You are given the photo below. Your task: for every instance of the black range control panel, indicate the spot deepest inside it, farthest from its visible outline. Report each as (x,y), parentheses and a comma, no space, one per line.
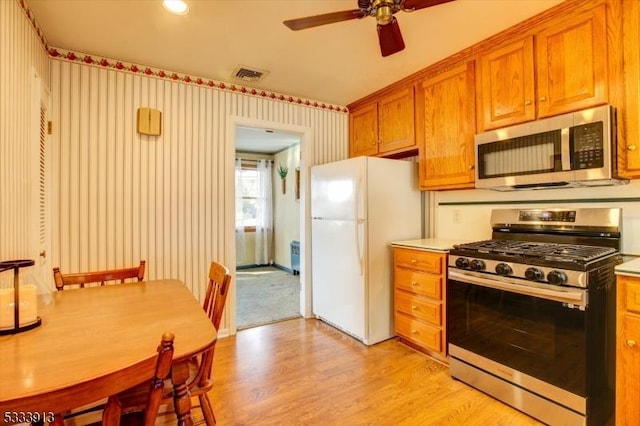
(547,216)
(587,146)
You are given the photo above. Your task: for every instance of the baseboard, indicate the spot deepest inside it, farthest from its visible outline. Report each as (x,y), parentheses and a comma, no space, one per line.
(275,265)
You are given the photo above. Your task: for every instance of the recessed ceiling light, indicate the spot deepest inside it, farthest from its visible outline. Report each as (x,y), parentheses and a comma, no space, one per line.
(179,7)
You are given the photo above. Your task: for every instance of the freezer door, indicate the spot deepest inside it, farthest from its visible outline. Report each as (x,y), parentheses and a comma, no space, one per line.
(338,190)
(338,281)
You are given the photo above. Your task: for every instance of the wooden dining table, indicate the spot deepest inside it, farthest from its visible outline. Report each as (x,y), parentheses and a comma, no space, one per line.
(89,342)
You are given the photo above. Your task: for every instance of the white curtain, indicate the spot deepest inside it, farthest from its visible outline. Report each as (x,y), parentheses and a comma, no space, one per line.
(264,214)
(241,249)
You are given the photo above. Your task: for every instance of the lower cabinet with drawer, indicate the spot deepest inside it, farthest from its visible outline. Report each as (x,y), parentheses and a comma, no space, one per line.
(419,300)
(628,351)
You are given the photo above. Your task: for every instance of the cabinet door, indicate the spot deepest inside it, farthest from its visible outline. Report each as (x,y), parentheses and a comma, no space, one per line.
(571,64)
(363,131)
(395,121)
(445,130)
(506,87)
(629,152)
(628,371)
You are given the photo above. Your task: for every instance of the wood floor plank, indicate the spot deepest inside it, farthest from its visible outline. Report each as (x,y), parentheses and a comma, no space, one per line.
(304,372)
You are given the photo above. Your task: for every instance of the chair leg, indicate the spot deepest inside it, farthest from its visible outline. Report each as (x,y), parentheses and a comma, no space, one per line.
(207,409)
(112,412)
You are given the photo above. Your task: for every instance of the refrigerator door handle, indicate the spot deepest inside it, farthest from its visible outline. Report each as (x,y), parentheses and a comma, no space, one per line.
(357,221)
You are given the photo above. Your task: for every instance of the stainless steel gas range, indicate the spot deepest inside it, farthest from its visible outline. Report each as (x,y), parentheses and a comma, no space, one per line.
(531,312)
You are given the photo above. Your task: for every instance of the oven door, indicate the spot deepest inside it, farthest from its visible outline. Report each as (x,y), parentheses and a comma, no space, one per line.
(537,333)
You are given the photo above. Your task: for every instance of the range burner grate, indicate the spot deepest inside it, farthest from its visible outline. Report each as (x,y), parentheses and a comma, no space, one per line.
(546,251)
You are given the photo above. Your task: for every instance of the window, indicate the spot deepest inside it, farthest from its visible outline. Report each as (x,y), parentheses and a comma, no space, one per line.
(246,208)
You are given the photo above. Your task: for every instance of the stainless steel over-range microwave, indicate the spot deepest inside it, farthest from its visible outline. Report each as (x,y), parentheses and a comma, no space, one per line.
(570,150)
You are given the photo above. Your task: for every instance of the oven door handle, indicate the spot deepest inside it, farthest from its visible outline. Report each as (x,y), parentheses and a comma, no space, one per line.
(570,296)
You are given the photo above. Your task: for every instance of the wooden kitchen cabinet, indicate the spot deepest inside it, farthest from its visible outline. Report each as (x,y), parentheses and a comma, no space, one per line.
(445,127)
(383,126)
(629,144)
(569,66)
(363,131)
(628,351)
(506,92)
(571,63)
(419,300)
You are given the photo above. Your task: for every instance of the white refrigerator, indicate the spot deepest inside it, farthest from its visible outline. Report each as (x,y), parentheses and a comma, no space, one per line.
(359,206)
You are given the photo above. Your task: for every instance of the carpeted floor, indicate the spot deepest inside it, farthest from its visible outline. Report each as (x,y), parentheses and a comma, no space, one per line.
(265,295)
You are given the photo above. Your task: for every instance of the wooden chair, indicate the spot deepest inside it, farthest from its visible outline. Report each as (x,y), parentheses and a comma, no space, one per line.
(112,414)
(82,278)
(200,366)
(200,381)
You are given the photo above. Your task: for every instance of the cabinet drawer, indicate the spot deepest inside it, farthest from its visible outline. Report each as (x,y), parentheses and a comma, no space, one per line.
(419,332)
(418,307)
(418,282)
(633,296)
(420,260)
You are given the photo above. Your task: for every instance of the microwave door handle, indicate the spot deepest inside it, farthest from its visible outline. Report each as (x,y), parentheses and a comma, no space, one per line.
(565,147)
(576,297)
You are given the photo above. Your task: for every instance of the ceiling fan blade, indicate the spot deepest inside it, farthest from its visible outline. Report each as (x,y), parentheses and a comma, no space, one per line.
(327,18)
(390,38)
(410,5)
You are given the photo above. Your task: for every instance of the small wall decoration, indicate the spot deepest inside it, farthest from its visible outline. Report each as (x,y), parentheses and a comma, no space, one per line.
(149,121)
(282,171)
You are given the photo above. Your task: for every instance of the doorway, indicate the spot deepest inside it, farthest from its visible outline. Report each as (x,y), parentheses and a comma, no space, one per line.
(267,225)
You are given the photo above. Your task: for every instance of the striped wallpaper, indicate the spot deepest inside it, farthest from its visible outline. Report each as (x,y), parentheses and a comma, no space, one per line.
(22,56)
(122,197)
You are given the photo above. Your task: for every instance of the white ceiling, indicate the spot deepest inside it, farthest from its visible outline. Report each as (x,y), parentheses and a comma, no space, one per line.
(336,63)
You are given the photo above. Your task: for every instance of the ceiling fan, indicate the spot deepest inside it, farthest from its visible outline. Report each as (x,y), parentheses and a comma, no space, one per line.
(383,10)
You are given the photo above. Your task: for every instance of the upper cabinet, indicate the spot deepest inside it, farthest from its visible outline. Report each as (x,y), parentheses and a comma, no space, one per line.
(571,61)
(506,85)
(445,121)
(383,126)
(569,66)
(363,130)
(629,149)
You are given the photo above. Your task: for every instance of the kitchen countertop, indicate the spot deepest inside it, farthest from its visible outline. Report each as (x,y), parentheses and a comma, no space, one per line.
(631,267)
(436,244)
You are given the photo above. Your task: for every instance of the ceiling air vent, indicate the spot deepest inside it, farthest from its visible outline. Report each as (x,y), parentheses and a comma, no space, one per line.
(247,74)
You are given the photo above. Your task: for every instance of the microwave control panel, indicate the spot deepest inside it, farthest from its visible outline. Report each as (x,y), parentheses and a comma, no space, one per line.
(587,146)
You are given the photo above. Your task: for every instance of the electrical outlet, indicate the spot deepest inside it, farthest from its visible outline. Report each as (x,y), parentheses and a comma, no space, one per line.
(456,216)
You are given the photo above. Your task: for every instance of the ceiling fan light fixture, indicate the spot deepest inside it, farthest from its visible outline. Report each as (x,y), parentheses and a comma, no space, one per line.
(382,10)
(384,15)
(177,7)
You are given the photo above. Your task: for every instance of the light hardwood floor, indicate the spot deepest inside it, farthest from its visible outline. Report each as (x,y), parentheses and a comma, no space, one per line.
(304,372)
